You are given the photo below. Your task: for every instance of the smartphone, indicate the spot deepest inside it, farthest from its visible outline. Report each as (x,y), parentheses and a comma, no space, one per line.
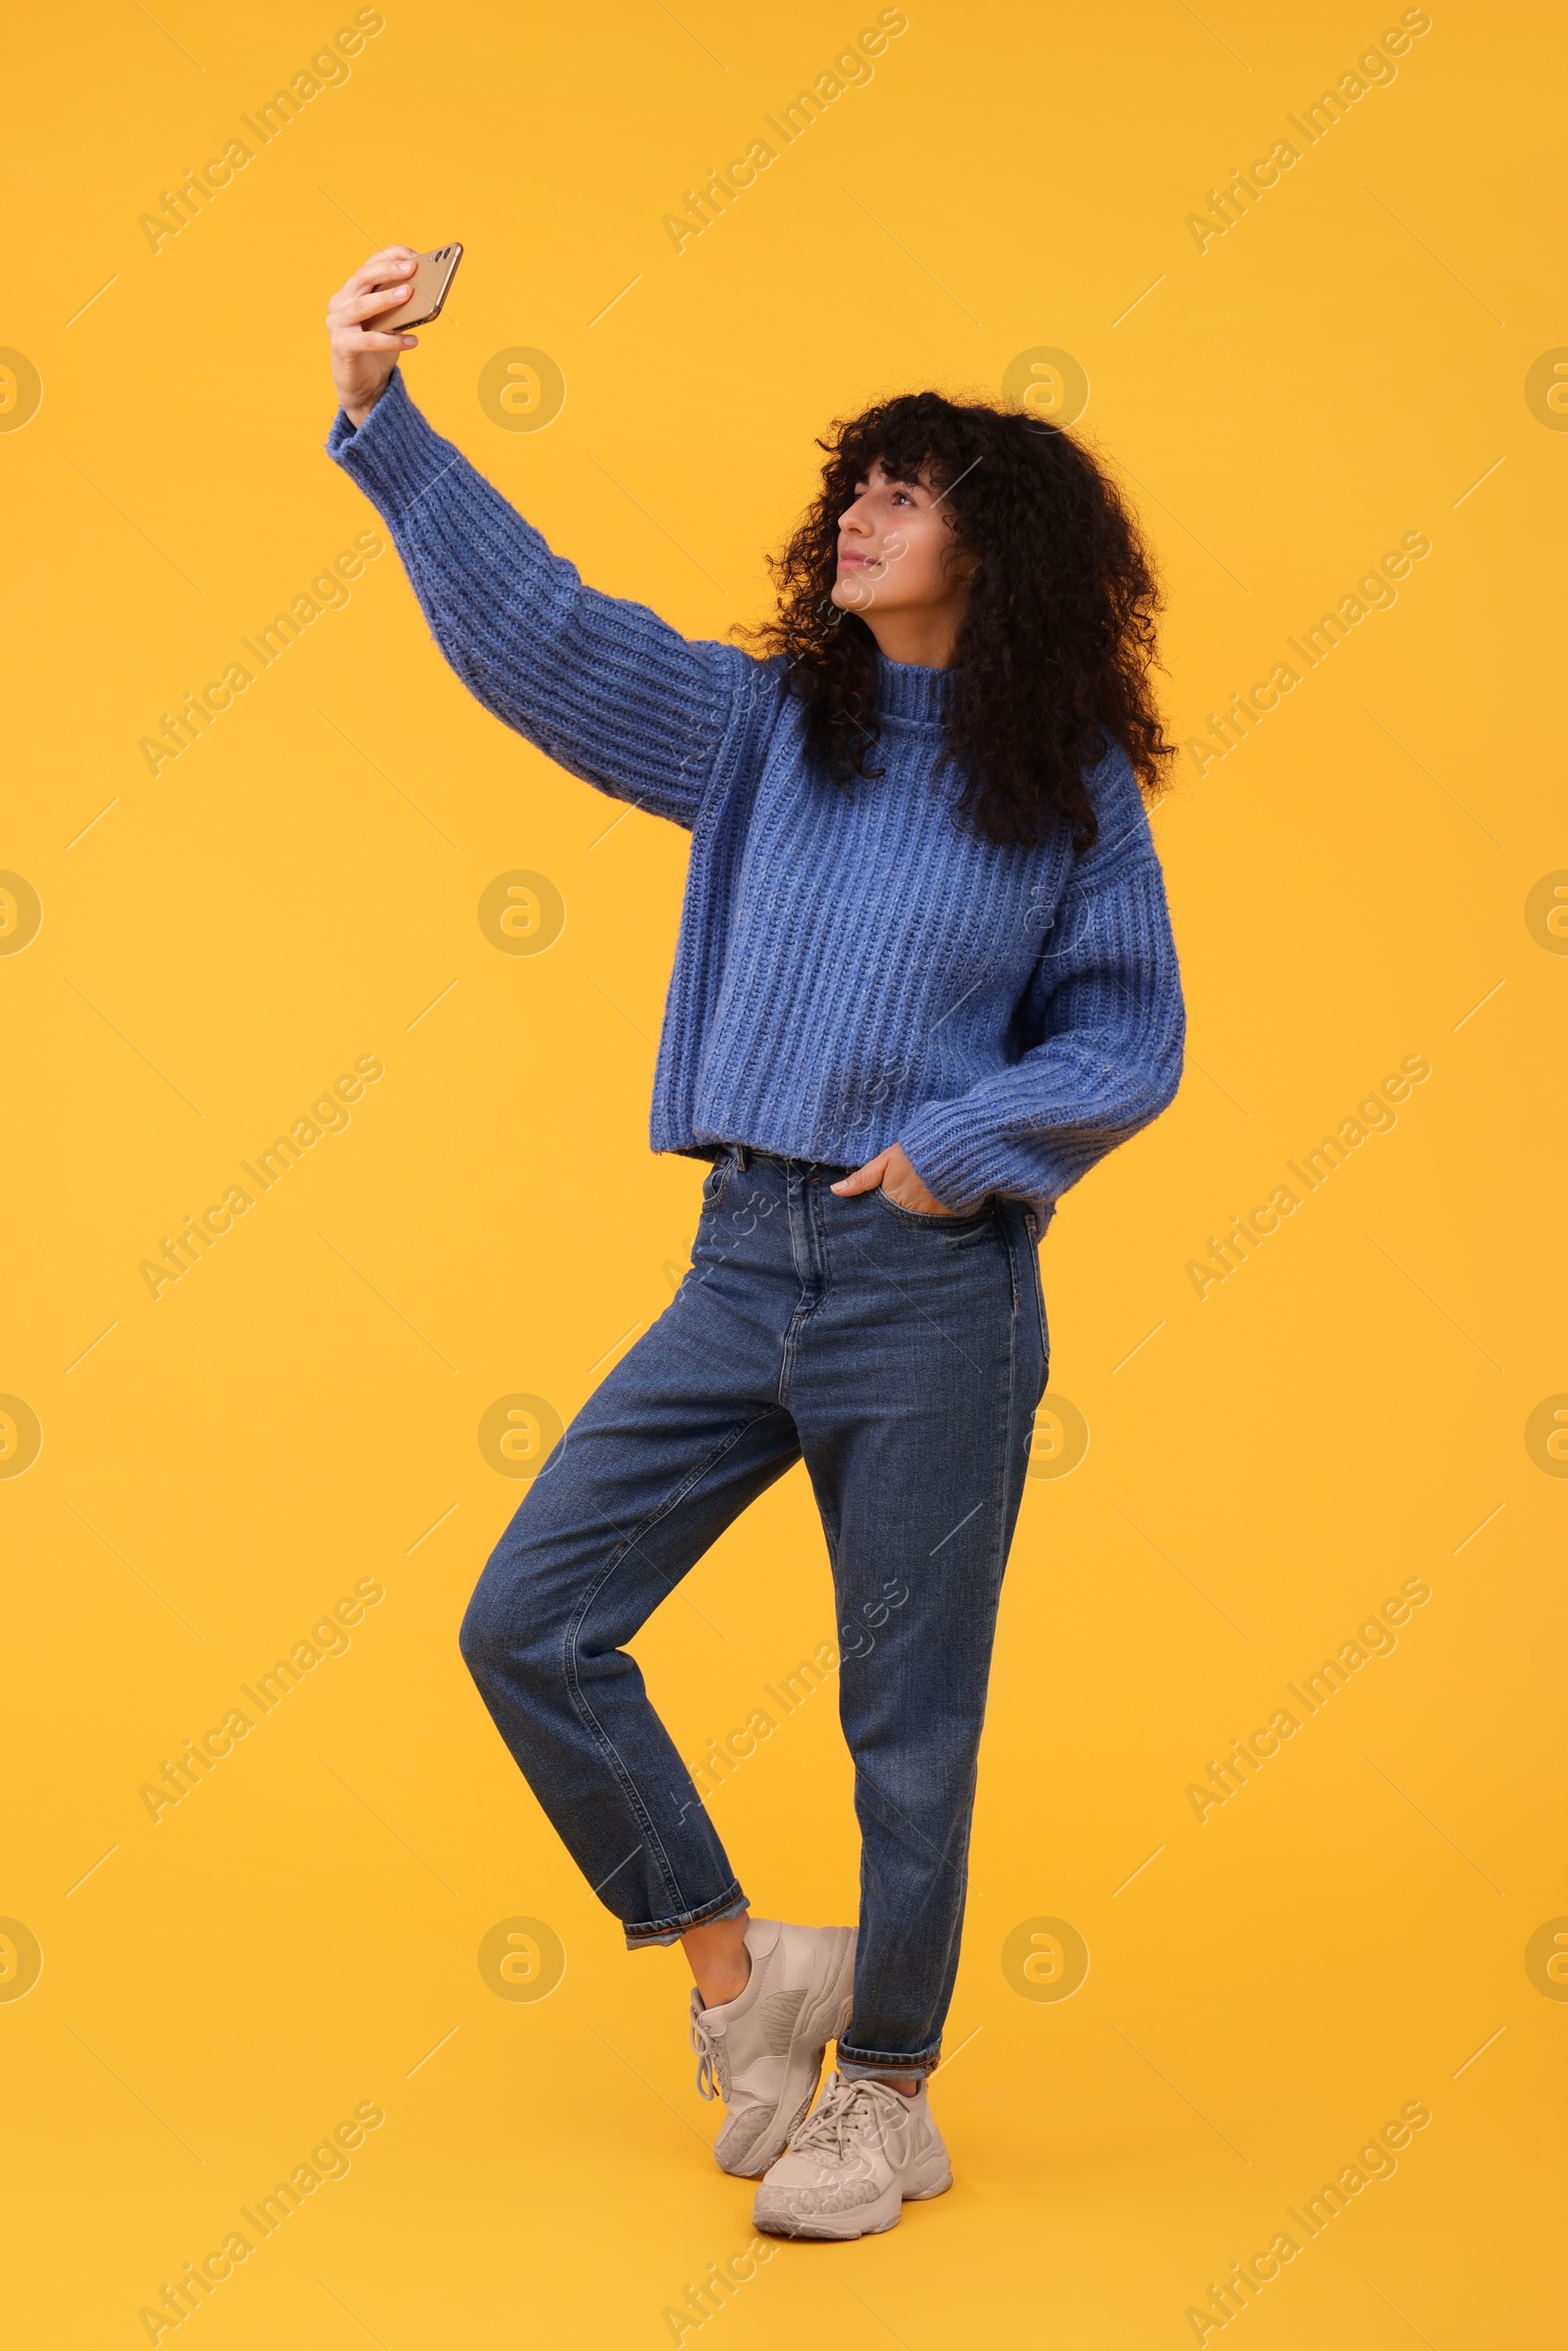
(431,280)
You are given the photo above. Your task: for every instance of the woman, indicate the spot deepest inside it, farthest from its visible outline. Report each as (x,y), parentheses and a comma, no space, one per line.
(925,979)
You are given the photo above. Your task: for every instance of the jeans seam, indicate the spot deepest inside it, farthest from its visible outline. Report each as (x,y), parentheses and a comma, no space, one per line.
(890,2056)
(1005,1452)
(804,1312)
(655,1931)
(891,2059)
(581,1705)
(1032,1245)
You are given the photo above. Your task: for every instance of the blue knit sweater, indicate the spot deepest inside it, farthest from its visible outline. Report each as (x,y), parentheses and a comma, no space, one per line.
(853,968)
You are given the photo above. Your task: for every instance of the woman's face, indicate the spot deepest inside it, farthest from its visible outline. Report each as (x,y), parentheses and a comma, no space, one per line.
(896,550)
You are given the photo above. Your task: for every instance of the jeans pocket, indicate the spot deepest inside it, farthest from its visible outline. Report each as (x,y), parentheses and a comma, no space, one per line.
(926,1222)
(716,1181)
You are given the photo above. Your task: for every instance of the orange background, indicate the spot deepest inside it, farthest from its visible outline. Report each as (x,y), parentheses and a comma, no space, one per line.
(1368,876)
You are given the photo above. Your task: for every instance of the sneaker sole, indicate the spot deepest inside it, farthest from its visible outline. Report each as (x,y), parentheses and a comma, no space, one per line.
(872,2220)
(819,2022)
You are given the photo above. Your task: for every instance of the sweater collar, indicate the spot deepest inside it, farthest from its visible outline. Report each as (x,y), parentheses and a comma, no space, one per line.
(907,691)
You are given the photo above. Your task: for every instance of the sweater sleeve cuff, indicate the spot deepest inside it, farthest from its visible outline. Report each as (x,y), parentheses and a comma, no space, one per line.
(949,1157)
(394,455)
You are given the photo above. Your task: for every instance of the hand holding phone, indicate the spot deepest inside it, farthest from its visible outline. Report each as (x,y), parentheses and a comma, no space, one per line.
(432,276)
(367,319)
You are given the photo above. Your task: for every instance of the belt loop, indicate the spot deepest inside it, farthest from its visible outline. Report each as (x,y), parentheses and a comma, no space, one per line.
(742,1158)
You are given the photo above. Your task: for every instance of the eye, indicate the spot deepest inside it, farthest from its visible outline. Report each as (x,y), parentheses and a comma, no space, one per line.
(904,495)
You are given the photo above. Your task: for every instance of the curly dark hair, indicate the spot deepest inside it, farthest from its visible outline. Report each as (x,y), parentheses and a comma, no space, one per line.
(1053,655)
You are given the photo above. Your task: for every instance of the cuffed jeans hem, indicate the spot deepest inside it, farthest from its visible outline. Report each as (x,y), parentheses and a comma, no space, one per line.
(858,2065)
(729,1906)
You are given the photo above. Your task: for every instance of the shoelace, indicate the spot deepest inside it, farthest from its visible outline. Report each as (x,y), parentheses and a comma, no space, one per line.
(850,2110)
(712,2071)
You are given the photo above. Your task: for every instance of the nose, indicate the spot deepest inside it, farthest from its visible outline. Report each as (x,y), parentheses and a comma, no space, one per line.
(854,521)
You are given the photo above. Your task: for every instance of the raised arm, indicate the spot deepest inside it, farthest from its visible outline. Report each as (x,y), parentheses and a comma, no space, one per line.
(600,684)
(1105,1007)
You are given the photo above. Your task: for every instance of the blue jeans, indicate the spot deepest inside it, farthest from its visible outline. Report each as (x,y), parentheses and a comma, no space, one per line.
(903,1356)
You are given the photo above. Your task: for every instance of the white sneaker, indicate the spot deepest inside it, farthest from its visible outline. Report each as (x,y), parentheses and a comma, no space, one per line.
(762,2051)
(850,2168)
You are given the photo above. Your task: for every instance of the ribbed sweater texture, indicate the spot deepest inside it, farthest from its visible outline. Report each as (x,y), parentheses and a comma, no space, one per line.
(855,968)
